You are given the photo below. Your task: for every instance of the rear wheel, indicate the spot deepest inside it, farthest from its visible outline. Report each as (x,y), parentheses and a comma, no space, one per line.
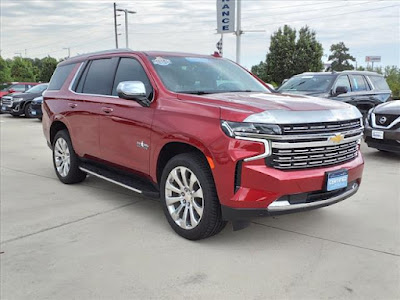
(65,160)
(189,197)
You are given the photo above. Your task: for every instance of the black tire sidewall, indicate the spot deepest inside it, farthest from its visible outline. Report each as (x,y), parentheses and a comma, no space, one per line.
(75,174)
(211,202)
(28,110)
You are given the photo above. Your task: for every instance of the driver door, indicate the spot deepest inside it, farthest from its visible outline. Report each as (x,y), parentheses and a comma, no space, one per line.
(125,125)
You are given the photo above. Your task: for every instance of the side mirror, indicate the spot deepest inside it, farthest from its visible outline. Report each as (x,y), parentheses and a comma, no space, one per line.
(133,90)
(341,90)
(11,91)
(284,80)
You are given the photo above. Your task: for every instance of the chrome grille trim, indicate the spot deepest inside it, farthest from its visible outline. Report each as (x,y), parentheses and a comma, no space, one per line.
(326,143)
(321,128)
(6,101)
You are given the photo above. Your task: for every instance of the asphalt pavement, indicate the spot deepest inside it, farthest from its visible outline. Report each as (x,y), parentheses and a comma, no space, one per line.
(95,240)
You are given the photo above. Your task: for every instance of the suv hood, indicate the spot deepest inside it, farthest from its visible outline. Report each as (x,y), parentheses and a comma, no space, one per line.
(26,96)
(388,108)
(278,108)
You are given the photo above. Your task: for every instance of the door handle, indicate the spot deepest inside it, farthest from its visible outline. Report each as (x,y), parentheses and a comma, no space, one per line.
(72,105)
(107,110)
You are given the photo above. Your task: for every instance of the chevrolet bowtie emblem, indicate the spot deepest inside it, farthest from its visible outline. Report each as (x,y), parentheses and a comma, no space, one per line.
(337,138)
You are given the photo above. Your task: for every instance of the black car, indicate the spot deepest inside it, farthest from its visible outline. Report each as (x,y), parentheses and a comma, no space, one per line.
(36,107)
(21,103)
(360,88)
(382,127)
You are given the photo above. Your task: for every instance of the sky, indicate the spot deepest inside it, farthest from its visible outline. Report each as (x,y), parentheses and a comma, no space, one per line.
(39,28)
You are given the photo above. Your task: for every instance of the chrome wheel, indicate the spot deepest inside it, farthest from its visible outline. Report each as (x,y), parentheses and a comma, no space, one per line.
(62,157)
(184,197)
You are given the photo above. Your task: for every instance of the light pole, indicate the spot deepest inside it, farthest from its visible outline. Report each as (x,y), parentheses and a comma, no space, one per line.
(126,23)
(69,51)
(239,31)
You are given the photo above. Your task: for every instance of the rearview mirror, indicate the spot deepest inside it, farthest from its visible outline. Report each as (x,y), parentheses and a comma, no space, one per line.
(133,90)
(341,90)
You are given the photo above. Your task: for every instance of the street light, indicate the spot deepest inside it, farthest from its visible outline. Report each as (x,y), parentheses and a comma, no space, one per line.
(69,51)
(126,23)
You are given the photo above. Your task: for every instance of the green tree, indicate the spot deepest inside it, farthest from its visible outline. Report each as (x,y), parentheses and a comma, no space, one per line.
(22,70)
(288,56)
(308,52)
(392,74)
(48,65)
(5,72)
(340,57)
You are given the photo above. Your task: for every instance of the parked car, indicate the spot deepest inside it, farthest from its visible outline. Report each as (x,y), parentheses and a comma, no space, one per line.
(382,127)
(17,87)
(359,88)
(21,103)
(36,107)
(202,134)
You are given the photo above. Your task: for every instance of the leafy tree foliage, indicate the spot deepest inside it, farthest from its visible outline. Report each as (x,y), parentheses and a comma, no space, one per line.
(289,55)
(27,69)
(340,57)
(22,70)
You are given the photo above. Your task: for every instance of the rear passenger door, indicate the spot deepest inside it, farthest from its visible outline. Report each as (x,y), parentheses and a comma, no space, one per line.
(92,91)
(125,125)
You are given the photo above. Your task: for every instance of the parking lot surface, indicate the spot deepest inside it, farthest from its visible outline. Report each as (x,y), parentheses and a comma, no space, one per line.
(95,240)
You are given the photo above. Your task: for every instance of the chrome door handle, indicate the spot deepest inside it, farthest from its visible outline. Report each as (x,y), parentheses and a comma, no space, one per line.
(72,105)
(107,110)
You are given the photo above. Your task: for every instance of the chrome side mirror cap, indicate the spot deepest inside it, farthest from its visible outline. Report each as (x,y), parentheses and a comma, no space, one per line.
(131,90)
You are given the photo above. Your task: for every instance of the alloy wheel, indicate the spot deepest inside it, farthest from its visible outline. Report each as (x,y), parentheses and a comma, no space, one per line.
(184,197)
(62,157)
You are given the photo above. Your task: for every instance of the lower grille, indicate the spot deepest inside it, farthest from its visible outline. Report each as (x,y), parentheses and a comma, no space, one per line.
(6,101)
(312,157)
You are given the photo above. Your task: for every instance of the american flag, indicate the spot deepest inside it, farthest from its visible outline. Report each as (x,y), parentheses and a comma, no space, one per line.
(219,46)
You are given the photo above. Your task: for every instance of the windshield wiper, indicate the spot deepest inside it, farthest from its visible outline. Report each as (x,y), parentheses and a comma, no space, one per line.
(195,92)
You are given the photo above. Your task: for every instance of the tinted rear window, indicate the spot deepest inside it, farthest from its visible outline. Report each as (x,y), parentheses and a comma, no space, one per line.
(379,82)
(99,79)
(60,75)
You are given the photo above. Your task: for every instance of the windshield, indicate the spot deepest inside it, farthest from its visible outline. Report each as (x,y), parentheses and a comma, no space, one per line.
(308,83)
(204,75)
(37,89)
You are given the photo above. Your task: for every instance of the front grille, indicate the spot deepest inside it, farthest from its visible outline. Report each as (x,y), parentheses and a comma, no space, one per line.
(311,157)
(6,101)
(385,120)
(312,128)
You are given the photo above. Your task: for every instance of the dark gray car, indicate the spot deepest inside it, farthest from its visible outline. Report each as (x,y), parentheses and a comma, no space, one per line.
(21,103)
(359,88)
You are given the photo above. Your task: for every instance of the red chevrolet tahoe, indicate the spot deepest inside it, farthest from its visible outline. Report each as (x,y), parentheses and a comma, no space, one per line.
(202,134)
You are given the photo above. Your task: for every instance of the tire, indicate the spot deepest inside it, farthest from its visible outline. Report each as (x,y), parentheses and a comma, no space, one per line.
(63,152)
(197,197)
(28,111)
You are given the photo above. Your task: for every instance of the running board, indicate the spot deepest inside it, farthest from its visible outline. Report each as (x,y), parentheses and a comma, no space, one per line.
(123,179)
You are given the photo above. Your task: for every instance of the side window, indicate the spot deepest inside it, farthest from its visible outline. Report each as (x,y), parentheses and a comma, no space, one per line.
(19,88)
(27,87)
(343,81)
(129,69)
(99,78)
(60,75)
(358,83)
(379,83)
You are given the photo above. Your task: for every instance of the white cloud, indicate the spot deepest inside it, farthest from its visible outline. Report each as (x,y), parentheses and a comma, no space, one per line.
(45,27)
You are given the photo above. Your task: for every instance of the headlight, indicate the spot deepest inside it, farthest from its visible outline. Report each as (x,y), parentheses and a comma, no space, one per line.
(17,99)
(233,129)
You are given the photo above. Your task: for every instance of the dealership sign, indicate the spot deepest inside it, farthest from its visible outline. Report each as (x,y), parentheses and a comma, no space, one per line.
(372,59)
(225,16)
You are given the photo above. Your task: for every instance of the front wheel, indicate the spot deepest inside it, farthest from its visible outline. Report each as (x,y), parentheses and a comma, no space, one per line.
(189,197)
(65,160)
(28,111)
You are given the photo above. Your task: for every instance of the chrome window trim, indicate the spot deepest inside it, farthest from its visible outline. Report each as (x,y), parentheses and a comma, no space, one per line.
(278,145)
(267,148)
(101,95)
(374,125)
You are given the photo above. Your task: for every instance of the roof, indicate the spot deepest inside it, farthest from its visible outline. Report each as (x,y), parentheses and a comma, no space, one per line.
(86,56)
(342,72)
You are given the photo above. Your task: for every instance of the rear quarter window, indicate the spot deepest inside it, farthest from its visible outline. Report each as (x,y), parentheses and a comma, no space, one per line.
(379,82)
(60,75)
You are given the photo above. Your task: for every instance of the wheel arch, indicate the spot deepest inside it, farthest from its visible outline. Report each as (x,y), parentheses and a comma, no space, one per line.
(173,148)
(55,127)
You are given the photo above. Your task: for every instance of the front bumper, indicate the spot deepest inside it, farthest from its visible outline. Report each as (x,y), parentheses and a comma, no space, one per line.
(280,207)
(390,141)
(37,110)
(16,108)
